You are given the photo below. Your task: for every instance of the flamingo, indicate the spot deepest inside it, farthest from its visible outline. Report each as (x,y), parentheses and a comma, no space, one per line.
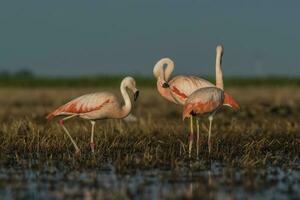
(180,87)
(207,101)
(96,106)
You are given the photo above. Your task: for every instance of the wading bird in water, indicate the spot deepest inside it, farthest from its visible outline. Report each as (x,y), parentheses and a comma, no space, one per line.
(180,87)
(97,106)
(207,101)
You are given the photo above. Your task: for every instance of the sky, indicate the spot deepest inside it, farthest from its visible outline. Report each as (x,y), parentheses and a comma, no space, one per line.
(76,37)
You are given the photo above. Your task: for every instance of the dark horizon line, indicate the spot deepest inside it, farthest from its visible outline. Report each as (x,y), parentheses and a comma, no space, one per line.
(141,76)
(31,73)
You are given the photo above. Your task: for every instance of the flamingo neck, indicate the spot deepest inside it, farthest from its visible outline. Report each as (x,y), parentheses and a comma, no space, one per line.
(126,108)
(219,73)
(169,69)
(160,72)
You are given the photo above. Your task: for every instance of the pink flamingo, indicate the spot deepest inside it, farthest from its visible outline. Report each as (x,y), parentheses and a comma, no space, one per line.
(96,106)
(180,87)
(207,101)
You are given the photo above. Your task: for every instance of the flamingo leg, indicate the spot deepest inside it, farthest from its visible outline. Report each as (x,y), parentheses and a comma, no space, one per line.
(92,144)
(210,118)
(198,136)
(191,137)
(61,122)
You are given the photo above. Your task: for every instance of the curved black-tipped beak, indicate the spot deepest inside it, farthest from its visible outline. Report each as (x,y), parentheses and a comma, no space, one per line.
(136,95)
(165,85)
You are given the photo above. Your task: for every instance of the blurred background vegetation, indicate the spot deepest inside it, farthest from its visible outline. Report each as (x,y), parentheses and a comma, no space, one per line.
(26,78)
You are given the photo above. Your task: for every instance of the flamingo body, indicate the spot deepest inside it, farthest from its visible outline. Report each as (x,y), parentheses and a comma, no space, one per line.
(207,101)
(180,87)
(102,105)
(183,86)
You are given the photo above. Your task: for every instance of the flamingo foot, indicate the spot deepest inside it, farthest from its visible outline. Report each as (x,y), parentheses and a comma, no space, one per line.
(92,145)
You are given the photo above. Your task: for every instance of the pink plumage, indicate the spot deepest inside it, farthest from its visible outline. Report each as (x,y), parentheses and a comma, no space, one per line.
(179,89)
(96,106)
(183,86)
(89,105)
(207,101)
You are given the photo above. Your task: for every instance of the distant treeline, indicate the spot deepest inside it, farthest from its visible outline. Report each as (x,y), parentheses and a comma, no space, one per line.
(114,81)
(25,78)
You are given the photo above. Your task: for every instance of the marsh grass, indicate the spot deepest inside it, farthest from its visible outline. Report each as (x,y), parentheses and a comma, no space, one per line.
(265,132)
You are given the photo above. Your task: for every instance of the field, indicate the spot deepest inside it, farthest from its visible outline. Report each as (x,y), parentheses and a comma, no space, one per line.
(255,151)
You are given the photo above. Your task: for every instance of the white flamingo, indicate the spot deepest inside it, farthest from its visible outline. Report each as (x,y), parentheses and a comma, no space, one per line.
(97,106)
(180,87)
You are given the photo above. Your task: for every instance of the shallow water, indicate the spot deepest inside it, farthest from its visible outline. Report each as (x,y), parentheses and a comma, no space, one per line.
(218,182)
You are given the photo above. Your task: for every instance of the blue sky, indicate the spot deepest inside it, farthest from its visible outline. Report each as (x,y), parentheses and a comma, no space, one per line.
(75,37)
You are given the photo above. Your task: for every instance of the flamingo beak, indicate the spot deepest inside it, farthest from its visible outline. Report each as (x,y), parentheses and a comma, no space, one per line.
(165,85)
(136,95)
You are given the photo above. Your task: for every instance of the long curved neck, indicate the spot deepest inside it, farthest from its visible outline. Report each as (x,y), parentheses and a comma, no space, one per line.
(219,73)
(169,69)
(160,72)
(126,108)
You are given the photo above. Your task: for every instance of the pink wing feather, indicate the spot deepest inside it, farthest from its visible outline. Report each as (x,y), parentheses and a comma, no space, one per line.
(183,86)
(204,100)
(83,104)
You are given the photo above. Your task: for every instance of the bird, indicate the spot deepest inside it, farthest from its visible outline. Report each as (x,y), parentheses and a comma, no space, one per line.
(97,106)
(177,89)
(207,101)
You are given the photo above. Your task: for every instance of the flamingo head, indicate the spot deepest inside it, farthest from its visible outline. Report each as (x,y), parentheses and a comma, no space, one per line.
(162,83)
(220,49)
(131,85)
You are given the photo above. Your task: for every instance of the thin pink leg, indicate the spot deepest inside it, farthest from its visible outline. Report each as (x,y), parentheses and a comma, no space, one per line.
(92,143)
(62,122)
(191,138)
(209,133)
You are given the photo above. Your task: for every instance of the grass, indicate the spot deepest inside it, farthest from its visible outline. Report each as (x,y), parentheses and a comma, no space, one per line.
(265,132)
